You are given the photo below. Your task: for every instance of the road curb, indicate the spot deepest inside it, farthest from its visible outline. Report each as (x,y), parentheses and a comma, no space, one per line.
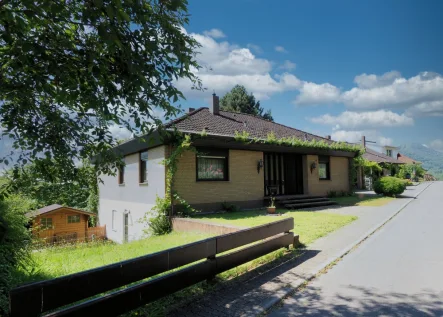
(287,291)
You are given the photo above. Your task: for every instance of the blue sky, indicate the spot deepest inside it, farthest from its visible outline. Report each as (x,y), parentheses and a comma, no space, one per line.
(344,68)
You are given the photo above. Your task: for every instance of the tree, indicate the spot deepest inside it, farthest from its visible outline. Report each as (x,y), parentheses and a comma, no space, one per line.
(49,186)
(72,69)
(238,100)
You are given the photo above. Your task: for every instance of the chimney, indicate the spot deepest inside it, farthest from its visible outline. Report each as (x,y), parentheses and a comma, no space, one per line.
(363,141)
(328,137)
(215,110)
(191,110)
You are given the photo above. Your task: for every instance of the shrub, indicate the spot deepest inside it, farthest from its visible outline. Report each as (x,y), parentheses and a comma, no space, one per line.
(332,194)
(229,207)
(15,244)
(389,186)
(160,225)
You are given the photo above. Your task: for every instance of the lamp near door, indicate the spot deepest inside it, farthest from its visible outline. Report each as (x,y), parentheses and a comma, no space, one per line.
(313,166)
(259,165)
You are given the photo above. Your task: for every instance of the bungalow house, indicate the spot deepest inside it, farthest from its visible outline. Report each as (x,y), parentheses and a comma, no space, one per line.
(406,159)
(224,169)
(384,160)
(56,223)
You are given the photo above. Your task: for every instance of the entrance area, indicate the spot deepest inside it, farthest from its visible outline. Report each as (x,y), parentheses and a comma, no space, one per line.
(283,171)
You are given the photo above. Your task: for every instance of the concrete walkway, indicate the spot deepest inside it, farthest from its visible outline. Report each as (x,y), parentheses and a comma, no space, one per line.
(395,272)
(257,291)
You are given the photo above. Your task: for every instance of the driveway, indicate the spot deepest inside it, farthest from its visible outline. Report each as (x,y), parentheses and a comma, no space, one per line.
(398,271)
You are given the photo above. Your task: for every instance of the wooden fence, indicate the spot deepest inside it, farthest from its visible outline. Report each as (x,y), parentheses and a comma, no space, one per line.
(48,297)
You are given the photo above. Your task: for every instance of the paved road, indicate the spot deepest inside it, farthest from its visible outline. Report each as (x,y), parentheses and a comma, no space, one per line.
(398,271)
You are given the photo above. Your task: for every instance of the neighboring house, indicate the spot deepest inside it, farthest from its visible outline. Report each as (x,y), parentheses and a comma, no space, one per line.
(391,151)
(407,160)
(223,169)
(365,181)
(55,222)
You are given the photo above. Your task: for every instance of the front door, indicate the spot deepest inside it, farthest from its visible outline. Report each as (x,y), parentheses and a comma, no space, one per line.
(284,172)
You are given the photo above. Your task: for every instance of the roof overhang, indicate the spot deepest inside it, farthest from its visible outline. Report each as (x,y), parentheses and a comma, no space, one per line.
(231,143)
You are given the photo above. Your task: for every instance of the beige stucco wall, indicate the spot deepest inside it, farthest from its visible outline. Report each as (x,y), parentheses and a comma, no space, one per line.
(244,184)
(339,176)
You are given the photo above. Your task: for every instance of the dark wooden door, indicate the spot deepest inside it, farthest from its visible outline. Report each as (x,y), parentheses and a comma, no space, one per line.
(293,174)
(283,172)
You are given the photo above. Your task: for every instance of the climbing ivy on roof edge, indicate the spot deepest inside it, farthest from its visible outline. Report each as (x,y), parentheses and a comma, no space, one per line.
(296,142)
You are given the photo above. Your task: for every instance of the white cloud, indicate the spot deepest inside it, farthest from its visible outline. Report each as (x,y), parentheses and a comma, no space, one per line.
(215,33)
(255,48)
(280,49)
(314,94)
(119,133)
(361,120)
(288,65)
(355,137)
(225,65)
(365,81)
(430,109)
(437,145)
(400,93)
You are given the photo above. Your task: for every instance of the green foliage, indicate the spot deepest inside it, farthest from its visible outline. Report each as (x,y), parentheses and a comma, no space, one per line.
(71,70)
(239,100)
(389,186)
(341,193)
(414,171)
(14,243)
(431,159)
(229,207)
(296,142)
(332,194)
(48,185)
(163,206)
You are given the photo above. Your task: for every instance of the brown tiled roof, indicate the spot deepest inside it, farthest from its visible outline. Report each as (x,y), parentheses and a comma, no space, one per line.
(405,159)
(377,157)
(54,207)
(227,123)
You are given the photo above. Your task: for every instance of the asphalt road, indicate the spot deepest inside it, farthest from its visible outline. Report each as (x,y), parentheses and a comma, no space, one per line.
(398,271)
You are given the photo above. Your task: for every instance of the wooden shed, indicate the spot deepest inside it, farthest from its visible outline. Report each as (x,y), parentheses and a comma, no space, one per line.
(56,223)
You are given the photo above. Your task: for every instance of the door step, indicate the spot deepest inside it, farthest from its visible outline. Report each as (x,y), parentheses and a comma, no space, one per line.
(300,201)
(310,205)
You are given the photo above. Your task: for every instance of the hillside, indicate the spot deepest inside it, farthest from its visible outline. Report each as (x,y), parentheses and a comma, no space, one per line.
(432,160)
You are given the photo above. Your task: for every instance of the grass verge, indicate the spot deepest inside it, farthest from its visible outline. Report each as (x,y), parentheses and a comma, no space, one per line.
(371,201)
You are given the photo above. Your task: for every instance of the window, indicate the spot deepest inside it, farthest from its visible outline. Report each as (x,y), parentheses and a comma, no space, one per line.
(389,153)
(46,223)
(73,218)
(121,175)
(212,165)
(324,168)
(114,219)
(143,167)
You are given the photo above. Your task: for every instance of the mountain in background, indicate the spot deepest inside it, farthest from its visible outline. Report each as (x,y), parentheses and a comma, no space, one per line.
(432,160)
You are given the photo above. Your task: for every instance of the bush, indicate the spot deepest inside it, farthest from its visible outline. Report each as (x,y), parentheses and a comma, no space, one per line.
(332,194)
(389,186)
(160,225)
(229,207)
(15,241)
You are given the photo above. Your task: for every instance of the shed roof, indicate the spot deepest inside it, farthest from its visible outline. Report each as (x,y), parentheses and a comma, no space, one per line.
(55,207)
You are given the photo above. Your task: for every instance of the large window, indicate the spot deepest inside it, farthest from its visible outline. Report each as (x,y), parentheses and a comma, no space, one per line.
(73,218)
(46,223)
(212,164)
(144,167)
(324,172)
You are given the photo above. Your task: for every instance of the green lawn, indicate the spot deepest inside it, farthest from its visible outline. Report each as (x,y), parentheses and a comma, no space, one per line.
(310,225)
(58,261)
(373,201)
